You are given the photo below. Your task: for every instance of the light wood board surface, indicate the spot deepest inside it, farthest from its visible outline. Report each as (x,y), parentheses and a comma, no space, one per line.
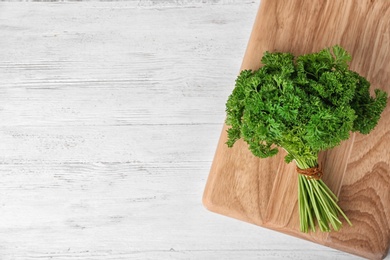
(110,114)
(264,191)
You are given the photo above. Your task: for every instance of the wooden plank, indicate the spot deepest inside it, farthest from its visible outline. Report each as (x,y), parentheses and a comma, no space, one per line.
(358,170)
(107,132)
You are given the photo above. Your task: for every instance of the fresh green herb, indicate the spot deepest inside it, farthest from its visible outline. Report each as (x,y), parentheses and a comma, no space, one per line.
(304,105)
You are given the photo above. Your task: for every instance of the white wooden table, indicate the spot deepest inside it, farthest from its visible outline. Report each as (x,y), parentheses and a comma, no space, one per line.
(110,114)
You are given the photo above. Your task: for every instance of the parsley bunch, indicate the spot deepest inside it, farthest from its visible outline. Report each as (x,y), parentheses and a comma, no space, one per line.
(304,105)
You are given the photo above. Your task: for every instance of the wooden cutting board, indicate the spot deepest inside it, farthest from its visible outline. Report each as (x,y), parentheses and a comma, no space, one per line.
(264,191)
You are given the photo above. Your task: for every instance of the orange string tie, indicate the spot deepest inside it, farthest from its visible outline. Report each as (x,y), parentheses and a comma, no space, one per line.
(311,173)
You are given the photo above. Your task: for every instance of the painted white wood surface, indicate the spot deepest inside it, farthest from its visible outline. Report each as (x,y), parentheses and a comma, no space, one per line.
(110,114)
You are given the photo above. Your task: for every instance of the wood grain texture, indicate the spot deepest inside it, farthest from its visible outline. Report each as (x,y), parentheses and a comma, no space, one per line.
(110,113)
(264,192)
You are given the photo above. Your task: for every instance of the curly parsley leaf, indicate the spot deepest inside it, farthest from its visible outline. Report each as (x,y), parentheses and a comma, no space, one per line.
(304,104)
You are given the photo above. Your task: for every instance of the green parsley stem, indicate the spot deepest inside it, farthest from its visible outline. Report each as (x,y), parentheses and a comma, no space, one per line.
(317,201)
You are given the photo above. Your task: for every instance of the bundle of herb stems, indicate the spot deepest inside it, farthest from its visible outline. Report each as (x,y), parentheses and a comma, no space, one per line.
(315,196)
(305,105)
